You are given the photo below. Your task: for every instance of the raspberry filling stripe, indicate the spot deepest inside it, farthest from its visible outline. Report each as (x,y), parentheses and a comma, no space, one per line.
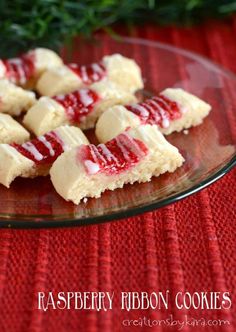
(42,150)
(89,74)
(20,70)
(114,157)
(158,110)
(78,104)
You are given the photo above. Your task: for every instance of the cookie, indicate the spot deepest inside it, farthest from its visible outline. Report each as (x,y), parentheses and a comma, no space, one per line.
(133,156)
(13,99)
(115,68)
(172,110)
(11,131)
(35,157)
(26,69)
(81,107)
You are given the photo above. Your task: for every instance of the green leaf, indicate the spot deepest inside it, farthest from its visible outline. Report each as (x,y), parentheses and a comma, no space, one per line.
(50,23)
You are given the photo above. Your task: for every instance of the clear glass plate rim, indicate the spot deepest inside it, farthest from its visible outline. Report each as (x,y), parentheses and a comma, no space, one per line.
(42,222)
(183,51)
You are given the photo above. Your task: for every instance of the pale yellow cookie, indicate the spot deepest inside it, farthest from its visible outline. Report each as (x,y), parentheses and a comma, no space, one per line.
(48,113)
(116,68)
(109,166)
(45,59)
(57,81)
(13,99)
(25,70)
(11,131)
(192,111)
(35,157)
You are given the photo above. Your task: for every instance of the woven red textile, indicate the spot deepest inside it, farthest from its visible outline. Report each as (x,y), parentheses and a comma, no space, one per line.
(187,246)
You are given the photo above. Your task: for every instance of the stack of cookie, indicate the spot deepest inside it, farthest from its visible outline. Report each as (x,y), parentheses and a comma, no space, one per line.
(78,97)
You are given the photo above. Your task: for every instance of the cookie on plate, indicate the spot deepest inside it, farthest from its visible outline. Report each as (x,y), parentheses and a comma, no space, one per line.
(35,157)
(116,68)
(26,69)
(172,110)
(11,131)
(13,99)
(133,156)
(81,107)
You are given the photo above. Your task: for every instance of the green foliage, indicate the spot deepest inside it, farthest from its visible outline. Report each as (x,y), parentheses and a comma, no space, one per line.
(25,24)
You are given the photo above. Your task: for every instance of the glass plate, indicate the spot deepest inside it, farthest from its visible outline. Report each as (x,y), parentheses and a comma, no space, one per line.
(209,149)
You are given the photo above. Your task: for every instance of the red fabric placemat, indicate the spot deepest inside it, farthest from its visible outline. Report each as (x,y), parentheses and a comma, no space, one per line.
(187,246)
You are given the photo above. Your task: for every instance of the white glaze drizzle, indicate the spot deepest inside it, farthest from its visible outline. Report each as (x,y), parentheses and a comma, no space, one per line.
(132,145)
(161,101)
(85,98)
(164,119)
(95,153)
(73,65)
(97,68)
(143,112)
(92,167)
(84,74)
(2,69)
(33,150)
(151,111)
(47,144)
(122,147)
(19,63)
(108,153)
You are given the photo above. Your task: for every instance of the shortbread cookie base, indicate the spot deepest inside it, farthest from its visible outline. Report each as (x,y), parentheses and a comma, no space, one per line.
(120,118)
(194,110)
(124,72)
(120,70)
(58,81)
(13,164)
(76,183)
(42,60)
(71,136)
(13,99)
(47,114)
(111,95)
(11,131)
(45,59)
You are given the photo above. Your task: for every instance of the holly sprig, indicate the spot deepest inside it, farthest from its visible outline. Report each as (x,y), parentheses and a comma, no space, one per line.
(50,23)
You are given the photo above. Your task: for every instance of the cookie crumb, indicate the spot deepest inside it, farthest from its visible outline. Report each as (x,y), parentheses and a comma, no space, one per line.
(186,132)
(85,200)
